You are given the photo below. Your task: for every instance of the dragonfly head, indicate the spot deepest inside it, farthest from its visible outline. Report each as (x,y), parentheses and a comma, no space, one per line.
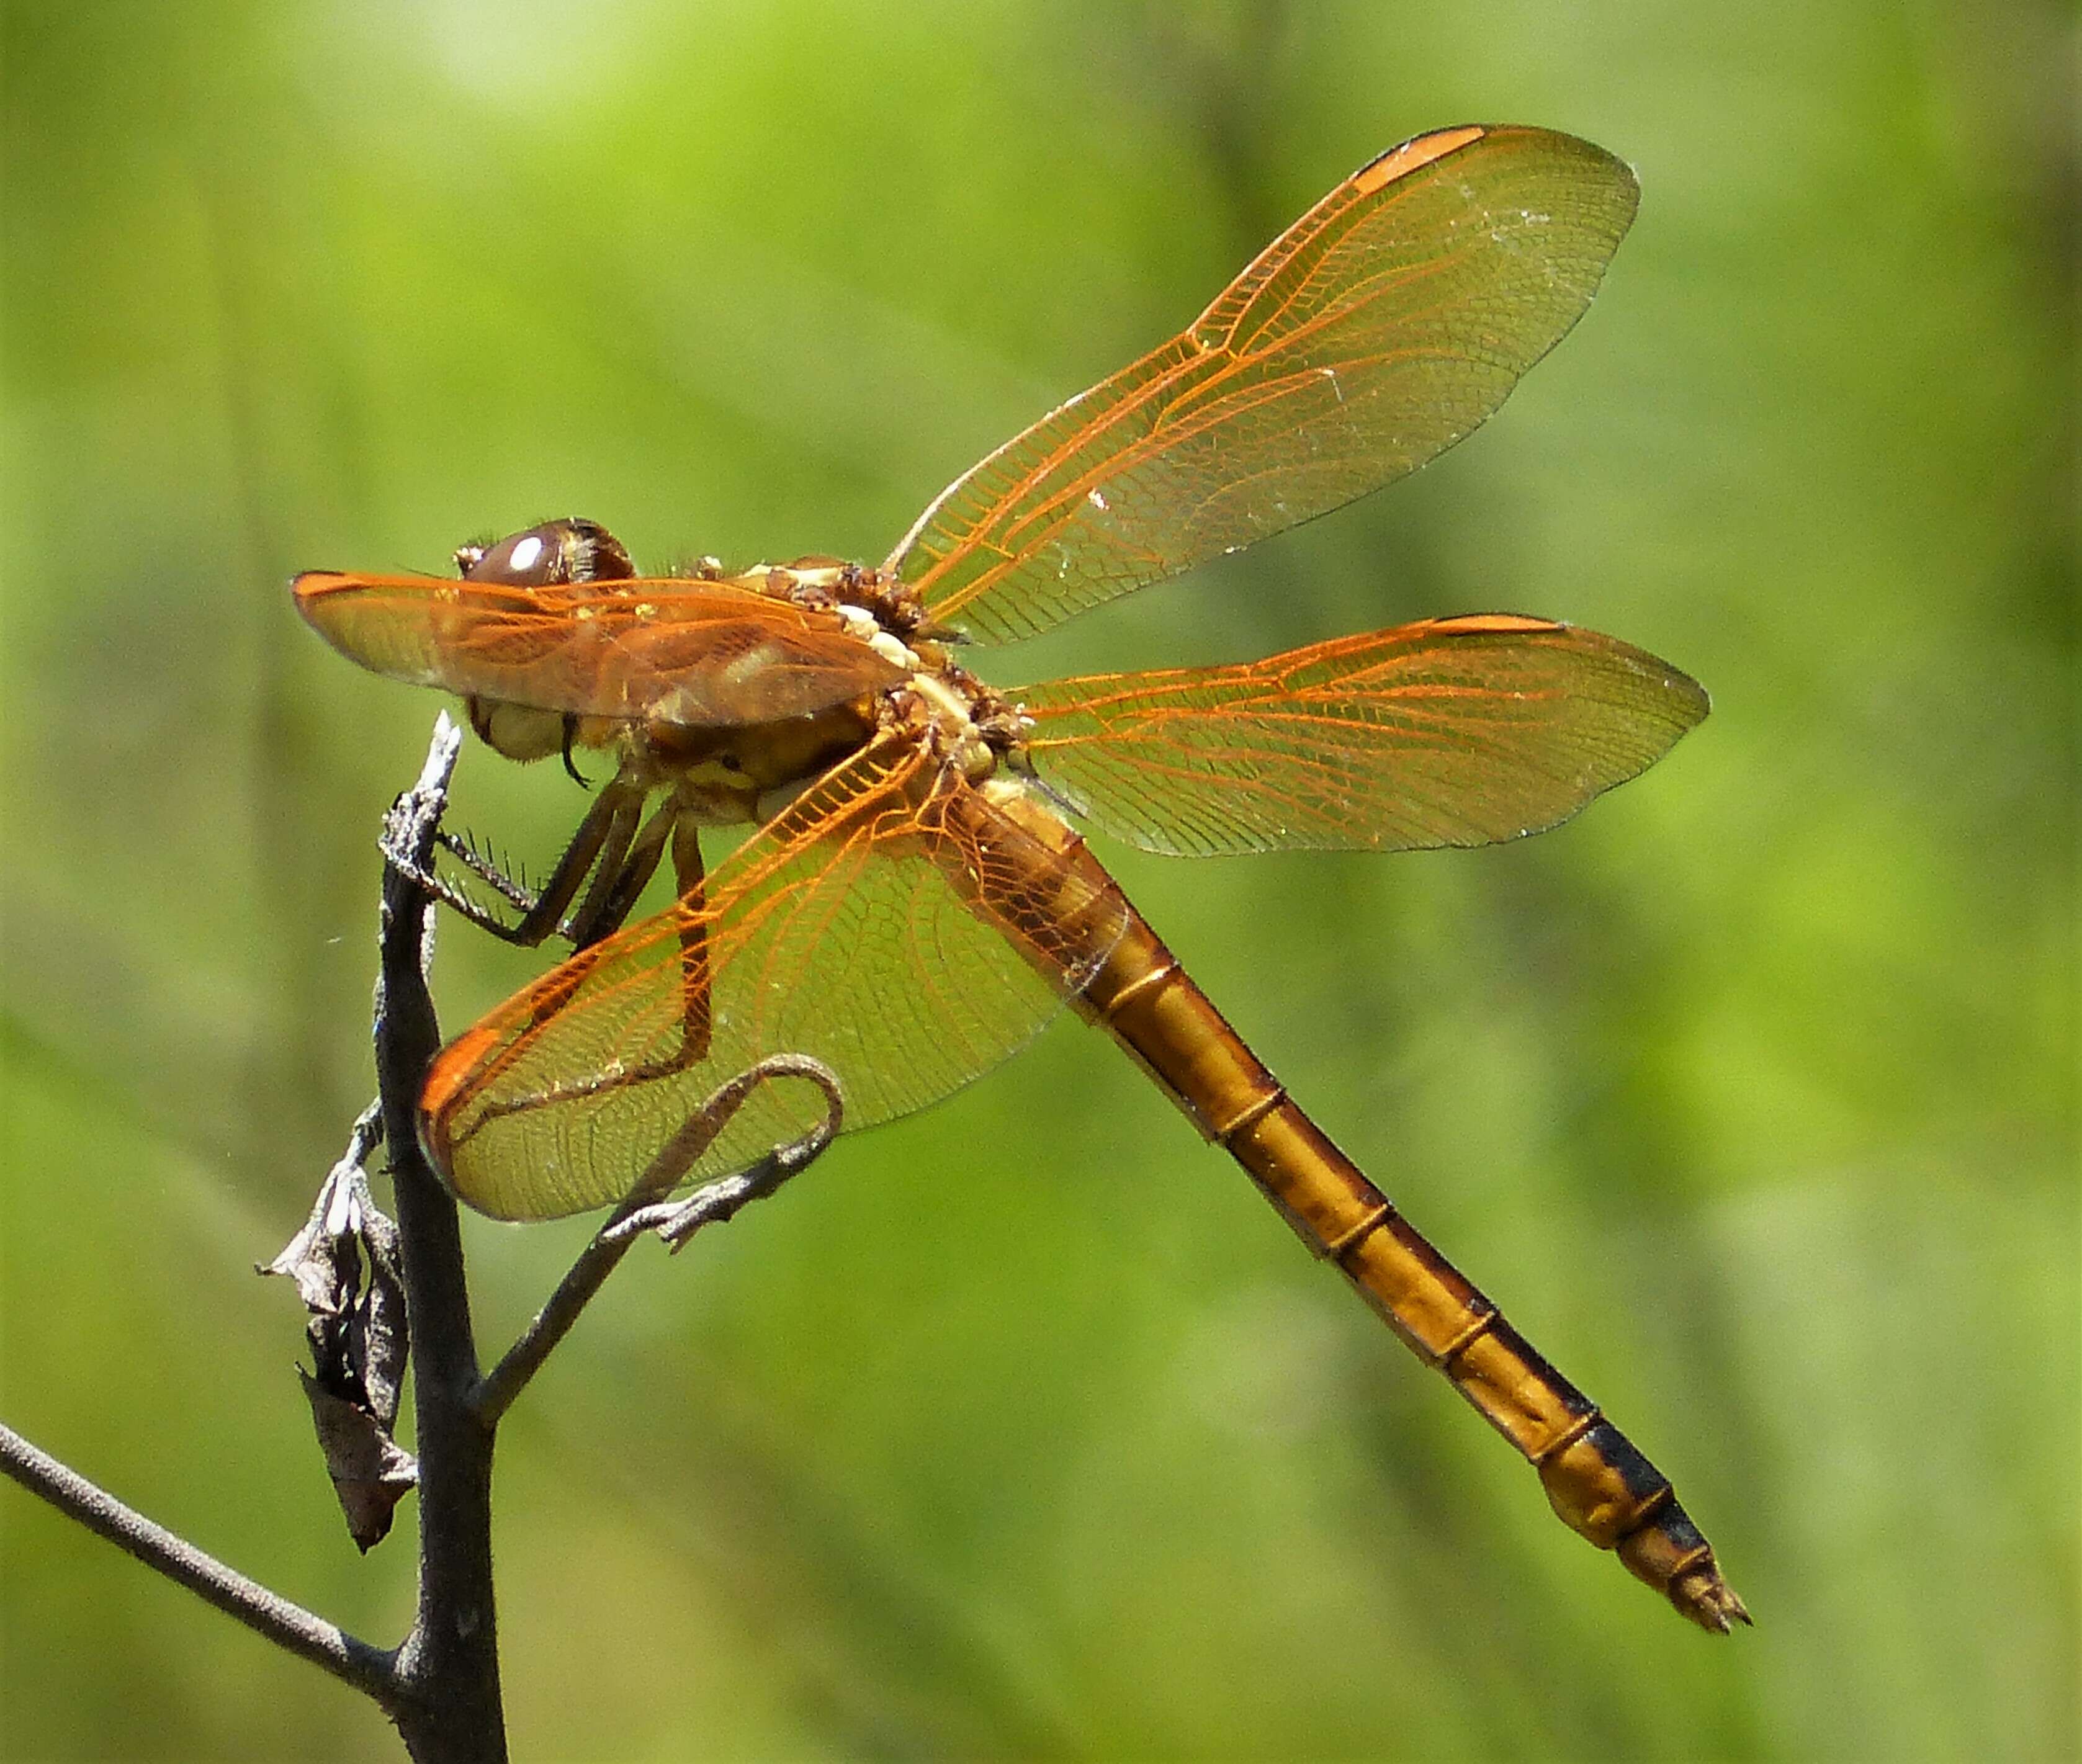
(552,555)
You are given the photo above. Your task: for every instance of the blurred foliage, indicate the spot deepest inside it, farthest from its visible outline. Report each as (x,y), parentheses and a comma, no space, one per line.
(1022,1430)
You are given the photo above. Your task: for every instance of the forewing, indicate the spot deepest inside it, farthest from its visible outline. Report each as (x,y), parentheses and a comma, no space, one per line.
(1377,331)
(1453,732)
(698,653)
(889,924)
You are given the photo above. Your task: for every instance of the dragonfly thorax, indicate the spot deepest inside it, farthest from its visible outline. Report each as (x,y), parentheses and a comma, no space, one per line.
(722,776)
(736,719)
(938,708)
(731,729)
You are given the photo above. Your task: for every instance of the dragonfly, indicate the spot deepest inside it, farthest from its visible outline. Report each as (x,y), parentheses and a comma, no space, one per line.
(915,899)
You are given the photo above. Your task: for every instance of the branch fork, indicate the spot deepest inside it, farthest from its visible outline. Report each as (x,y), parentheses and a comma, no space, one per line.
(376,1288)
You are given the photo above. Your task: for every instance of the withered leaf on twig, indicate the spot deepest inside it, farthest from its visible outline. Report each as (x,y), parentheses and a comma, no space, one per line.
(344,1262)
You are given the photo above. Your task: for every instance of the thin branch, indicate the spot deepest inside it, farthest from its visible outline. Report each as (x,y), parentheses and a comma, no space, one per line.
(449,1661)
(363,1138)
(720,1201)
(441,1684)
(267,1614)
(676,1222)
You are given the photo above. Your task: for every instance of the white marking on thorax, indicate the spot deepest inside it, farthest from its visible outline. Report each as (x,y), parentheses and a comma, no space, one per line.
(942,698)
(955,720)
(891,650)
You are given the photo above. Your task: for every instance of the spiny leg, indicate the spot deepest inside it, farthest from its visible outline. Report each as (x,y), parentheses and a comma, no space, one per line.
(694,982)
(603,840)
(614,896)
(695,976)
(615,886)
(600,847)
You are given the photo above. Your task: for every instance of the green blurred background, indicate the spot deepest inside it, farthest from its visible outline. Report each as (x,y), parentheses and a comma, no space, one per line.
(1022,1429)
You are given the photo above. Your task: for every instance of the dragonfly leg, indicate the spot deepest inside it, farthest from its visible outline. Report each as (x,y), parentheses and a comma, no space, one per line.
(448,894)
(604,839)
(616,884)
(691,925)
(620,880)
(485,868)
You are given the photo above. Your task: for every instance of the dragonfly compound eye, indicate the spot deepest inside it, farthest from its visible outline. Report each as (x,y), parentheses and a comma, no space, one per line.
(554,553)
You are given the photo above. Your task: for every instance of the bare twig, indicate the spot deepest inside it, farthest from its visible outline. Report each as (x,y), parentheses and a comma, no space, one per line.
(267,1614)
(674,1222)
(720,1201)
(449,1661)
(441,1685)
(363,1140)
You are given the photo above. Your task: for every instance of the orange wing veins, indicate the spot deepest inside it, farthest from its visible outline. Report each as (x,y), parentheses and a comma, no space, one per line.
(691,652)
(1456,731)
(889,924)
(1381,327)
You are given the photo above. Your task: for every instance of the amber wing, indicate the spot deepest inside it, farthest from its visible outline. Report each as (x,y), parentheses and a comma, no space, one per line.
(890,924)
(1377,331)
(1455,732)
(677,651)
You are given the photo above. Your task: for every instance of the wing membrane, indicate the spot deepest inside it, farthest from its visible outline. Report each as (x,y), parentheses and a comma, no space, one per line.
(680,651)
(890,924)
(1449,732)
(1377,331)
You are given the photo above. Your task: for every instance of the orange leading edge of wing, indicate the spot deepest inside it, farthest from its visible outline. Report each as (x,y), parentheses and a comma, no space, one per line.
(1411,155)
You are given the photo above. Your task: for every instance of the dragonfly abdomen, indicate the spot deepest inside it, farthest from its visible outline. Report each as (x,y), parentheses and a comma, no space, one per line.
(1598,1483)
